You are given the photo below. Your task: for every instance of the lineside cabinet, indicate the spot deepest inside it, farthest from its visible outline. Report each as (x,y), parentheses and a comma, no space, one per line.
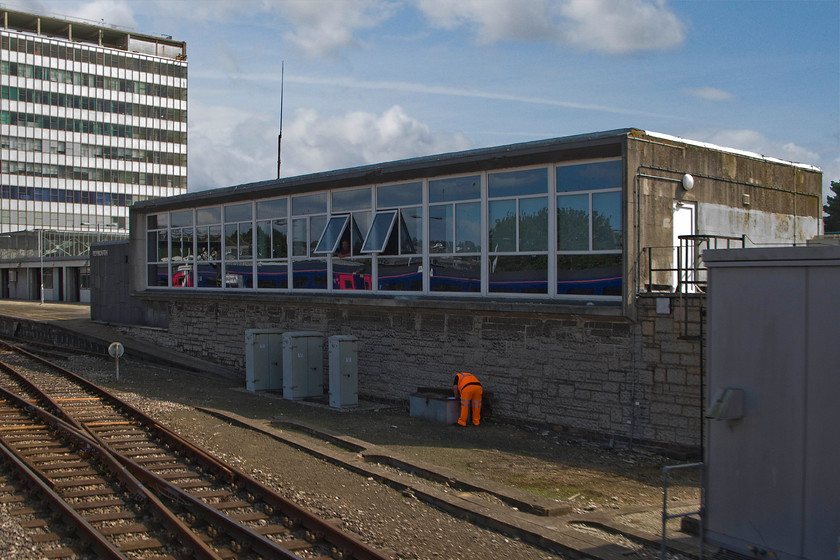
(303,365)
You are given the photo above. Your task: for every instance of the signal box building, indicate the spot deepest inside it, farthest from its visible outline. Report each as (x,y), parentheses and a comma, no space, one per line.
(566,274)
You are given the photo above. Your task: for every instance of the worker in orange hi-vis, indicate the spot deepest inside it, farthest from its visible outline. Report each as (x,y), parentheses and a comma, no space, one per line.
(468,388)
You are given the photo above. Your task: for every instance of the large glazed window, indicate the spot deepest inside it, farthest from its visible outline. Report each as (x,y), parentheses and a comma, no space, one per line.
(238,245)
(396,236)
(455,234)
(272,244)
(517,224)
(344,236)
(589,229)
(157,249)
(550,231)
(208,237)
(309,217)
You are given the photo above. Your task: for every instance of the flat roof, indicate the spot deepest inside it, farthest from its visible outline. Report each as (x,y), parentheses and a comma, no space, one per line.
(606,144)
(584,146)
(84,31)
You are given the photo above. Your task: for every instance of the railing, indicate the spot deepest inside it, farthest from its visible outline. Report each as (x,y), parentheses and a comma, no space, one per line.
(666,480)
(686,272)
(36,244)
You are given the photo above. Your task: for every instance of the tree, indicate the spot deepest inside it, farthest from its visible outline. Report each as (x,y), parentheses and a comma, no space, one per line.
(831,221)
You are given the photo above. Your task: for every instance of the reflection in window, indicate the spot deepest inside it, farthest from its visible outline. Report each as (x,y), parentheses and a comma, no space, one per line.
(455,274)
(300,237)
(182,244)
(158,275)
(239,275)
(589,176)
(309,274)
(394,196)
(592,274)
(533,224)
(271,239)
(349,200)
(606,221)
(208,216)
(468,227)
(238,213)
(411,231)
(309,204)
(454,188)
(573,222)
(208,275)
(400,274)
(519,274)
(415,241)
(238,241)
(272,208)
(182,275)
(502,223)
(441,229)
(272,275)
(517,183)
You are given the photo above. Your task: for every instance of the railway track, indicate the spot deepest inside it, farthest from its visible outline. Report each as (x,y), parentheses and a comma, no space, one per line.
(131,488)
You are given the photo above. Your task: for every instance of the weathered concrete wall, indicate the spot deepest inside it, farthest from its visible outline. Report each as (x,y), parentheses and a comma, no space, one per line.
(600,376)
(111,300)
(769,202)
(46,333)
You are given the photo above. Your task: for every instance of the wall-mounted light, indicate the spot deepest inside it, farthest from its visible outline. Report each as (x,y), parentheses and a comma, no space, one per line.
(687,182)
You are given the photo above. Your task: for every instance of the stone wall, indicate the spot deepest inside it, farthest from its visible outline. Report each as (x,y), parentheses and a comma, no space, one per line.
(599,376)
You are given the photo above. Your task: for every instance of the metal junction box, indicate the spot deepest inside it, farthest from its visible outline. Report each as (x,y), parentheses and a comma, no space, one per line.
(303,365)
(344,372)
(263,359)
(772,484)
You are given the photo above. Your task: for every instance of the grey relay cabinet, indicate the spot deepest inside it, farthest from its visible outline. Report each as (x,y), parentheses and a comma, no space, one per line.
(303,365)
(263,359)
(344,372)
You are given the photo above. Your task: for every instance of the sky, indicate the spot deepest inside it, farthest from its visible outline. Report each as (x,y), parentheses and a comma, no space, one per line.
(368,81)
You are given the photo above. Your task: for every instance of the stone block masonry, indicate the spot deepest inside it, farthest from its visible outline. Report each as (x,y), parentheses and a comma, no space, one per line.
(601,376)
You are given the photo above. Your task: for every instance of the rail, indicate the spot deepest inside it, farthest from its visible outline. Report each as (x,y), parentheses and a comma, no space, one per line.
(234,510)
(686,272)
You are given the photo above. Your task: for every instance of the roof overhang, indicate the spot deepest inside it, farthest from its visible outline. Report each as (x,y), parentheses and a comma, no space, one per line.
(585,146)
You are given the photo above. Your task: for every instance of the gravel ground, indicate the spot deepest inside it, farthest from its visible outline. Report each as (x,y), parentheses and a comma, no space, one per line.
(533,459)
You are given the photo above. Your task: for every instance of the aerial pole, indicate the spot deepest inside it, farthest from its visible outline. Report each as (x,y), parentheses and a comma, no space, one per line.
(280,134)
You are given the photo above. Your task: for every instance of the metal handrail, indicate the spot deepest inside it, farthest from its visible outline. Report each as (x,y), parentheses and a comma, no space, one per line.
(689,274)
(666,477)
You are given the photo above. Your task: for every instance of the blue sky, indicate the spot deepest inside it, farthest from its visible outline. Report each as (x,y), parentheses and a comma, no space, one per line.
(377,80)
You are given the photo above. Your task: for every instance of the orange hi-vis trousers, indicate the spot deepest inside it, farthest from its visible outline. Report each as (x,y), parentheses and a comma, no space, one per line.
(471,398)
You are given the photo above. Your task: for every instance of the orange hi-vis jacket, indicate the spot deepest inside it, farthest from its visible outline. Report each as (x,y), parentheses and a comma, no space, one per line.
(465,379)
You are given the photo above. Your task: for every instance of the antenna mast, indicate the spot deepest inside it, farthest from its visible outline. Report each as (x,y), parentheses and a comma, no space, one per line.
(280,134)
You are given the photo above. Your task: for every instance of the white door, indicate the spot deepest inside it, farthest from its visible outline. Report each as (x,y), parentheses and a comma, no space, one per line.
(684,257)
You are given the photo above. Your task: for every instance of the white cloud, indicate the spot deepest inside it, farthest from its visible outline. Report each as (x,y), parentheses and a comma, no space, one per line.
(230,146)
(753,141)
(246,143)
(621,26)
(107,12)
(710,94)
(325,27)
(312,142)
(495,20)
(608,26)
